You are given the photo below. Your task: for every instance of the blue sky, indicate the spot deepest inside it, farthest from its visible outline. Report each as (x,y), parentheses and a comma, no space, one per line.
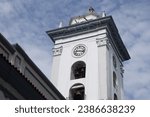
(25,22)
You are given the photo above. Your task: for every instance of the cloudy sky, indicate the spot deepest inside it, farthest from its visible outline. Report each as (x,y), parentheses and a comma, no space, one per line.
(25,22)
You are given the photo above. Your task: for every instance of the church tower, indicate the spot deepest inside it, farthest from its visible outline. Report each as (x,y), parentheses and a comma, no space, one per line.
(87,58)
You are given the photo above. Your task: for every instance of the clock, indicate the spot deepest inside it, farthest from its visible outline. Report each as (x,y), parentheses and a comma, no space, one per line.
(79,50)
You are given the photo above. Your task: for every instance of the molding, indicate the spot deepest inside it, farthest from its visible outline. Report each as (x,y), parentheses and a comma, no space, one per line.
(102,42)
(57,51)
(83,38)
(78,29)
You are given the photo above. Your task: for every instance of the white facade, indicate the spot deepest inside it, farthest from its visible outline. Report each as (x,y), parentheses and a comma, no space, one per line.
(92,52)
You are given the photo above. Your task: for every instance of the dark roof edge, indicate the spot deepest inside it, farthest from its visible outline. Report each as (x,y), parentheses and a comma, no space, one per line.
(119,41)
(20,74)
(6,43)
(50,37)
(37,70)
(92,13)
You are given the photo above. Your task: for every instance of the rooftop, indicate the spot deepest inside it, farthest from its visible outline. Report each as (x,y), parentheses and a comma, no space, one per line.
(90,15)
(88,23)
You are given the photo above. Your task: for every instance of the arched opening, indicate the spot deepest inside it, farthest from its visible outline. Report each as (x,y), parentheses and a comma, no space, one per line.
(77,92)
(115,97)
(114,79)
(78,70)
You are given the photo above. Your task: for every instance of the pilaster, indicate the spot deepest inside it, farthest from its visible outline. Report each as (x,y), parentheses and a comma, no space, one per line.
(57,51)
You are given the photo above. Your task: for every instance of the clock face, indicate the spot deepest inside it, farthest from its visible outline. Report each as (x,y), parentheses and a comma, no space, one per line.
(79,50)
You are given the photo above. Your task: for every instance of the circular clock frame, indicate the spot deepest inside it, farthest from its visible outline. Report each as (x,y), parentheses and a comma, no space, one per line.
(79,50)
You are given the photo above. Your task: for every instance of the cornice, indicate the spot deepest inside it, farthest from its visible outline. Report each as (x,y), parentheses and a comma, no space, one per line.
(78,29)
(91,26)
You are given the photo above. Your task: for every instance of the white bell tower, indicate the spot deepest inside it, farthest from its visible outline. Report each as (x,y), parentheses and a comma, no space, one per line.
(87,58)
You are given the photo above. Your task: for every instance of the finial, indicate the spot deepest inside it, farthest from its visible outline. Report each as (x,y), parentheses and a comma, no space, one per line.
(103,14)
(91,10)
(60,24)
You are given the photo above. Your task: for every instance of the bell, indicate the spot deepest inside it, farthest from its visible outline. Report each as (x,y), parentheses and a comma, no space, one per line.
(82,69)
(78,95)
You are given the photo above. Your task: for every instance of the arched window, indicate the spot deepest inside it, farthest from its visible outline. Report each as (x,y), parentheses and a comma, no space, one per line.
(115,97)
(78,70)
(77,92)
(114,79)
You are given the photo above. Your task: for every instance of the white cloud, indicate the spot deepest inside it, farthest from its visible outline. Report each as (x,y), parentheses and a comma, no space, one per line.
(133,23)
(41,57)
(6,8)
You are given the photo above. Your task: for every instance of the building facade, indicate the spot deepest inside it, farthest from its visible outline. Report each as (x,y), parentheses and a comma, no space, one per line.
(88,58)
(20,78)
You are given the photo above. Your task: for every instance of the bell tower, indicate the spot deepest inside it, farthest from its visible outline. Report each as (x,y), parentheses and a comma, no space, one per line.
(88,58)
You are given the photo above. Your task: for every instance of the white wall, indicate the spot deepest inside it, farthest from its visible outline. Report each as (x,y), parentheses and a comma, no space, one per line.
(99,67)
